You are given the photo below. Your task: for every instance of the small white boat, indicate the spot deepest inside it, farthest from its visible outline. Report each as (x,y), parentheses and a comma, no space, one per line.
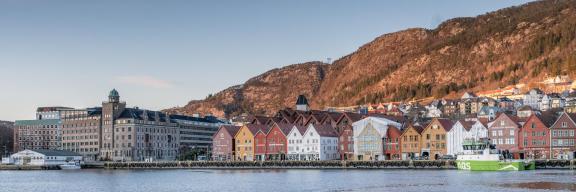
(70,165)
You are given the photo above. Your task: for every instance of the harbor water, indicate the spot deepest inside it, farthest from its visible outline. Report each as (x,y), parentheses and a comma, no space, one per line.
(244,180)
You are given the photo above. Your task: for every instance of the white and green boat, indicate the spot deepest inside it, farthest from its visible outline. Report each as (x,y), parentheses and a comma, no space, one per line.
(482,156)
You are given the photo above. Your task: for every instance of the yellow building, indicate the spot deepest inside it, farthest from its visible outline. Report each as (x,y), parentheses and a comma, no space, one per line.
(433,140)
(410,140)
(245,141)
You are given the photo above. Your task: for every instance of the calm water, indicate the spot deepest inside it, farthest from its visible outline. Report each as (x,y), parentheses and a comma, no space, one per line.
(284,180)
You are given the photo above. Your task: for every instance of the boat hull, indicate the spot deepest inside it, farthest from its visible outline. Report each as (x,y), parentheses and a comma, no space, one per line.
(494,165)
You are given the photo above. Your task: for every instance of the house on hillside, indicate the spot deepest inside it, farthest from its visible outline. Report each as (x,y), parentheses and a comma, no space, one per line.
(532,98)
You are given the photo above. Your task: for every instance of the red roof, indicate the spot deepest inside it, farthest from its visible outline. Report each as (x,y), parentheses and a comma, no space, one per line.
(467,124)
(285,128)
(254,128)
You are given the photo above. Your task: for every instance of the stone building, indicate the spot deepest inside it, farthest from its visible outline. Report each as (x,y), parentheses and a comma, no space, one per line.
(132,134)
(44,132)
(81,131)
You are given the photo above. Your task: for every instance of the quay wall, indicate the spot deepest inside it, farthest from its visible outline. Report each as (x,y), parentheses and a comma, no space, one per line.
(420,164)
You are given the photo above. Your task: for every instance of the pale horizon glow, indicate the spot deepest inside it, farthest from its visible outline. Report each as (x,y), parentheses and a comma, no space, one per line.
(162,54)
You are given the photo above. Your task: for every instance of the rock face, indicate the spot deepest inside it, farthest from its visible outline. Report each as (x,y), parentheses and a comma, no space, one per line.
(514,45)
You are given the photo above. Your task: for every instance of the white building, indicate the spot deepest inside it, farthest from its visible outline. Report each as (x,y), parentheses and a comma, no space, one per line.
(532,98)
(295,145)
(368,137)
(464,130)
(320,142)
(43,157)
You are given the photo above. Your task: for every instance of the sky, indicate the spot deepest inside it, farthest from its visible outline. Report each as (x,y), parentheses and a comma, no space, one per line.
(162,54)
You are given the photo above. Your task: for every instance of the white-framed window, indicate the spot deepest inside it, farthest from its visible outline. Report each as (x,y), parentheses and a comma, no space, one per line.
(564,124)
(500,133)
(511,132)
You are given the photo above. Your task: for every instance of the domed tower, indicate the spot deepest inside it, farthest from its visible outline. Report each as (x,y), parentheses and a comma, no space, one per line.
(114,97)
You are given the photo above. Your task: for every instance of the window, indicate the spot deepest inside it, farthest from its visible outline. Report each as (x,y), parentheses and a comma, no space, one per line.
(511,132)
(533,125)
(564,124)
(500,133)
(502,123)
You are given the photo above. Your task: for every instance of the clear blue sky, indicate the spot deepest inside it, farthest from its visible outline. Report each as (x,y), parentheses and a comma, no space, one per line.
(160,54)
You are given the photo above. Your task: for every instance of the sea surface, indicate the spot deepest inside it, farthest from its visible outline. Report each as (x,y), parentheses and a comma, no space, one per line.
(278,180)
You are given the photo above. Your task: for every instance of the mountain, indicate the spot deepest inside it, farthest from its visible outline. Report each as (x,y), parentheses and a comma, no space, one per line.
(521,44)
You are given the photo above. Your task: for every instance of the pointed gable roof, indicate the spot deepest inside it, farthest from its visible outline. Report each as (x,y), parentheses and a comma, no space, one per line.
(254,128)
(325,130)
(445,123)
(284,128)
(231,129)
(467,124)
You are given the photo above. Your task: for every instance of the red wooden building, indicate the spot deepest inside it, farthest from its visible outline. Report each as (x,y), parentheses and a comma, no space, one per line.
(392,149)
(535,135)
(563,136)
(223,143)
(260,144)
(276,141)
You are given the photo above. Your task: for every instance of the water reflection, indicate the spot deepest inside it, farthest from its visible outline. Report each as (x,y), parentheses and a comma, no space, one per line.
(543,185)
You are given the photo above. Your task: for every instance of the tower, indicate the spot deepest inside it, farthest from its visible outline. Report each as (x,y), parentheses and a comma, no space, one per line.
(114,97)
(302,103)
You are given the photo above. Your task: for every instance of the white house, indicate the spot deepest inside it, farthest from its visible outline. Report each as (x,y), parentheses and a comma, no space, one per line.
(42,157)
(295,144)
(533,97)
(368,135)
(320,142)
(464,130)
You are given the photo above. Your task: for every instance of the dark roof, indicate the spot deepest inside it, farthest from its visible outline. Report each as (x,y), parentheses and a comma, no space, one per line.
(55,152)
(326,130)
(547,117)
(54,108)
(254,128)
(231,129)
(301,100)
(284,127)
(301,129)
(418,128)
(467,124)
(139,114)
(445,123)
(206,119)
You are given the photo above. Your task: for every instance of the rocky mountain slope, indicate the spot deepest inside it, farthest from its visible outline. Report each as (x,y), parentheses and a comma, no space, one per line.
(514,45)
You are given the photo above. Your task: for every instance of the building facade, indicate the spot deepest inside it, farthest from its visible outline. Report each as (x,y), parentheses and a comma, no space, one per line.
(411,142)
(368,137)
(535,140)
(504,133)
(433,139)
(563,136)
(223,143)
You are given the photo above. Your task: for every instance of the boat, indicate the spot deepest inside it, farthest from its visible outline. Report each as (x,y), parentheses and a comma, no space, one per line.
(70,165)
(481,155)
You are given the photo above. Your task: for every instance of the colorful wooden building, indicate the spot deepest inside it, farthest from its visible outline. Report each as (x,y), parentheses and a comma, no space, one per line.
(368,137)
(245,141)
(276,141)
(504,133)
(410,142)
(392,144)
(345,131)
(535,135)
(563,136)
(434,138)
(223,143)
